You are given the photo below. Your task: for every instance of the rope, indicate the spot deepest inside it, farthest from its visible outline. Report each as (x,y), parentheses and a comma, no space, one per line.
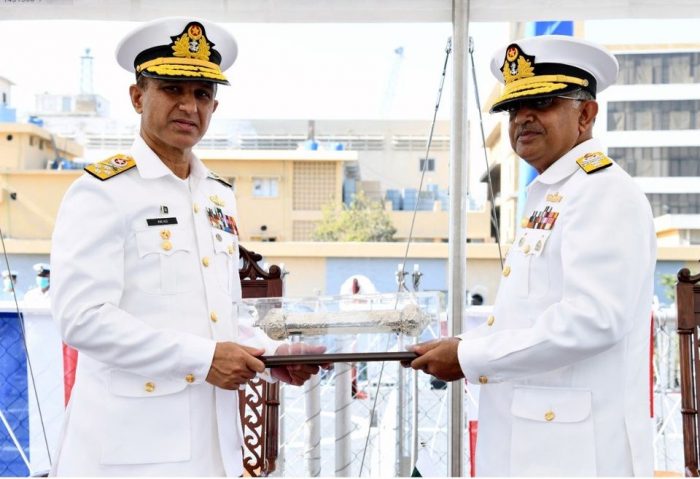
(401,284)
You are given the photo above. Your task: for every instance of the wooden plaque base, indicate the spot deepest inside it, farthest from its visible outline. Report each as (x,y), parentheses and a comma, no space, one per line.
(288,360)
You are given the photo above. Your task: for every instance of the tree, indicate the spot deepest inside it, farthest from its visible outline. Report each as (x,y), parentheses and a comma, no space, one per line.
(668,281)
(362,220)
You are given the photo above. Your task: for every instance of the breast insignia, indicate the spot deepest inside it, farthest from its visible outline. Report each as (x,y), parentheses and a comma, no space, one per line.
(554,197)
(111,167)
(592,162)
(216,177)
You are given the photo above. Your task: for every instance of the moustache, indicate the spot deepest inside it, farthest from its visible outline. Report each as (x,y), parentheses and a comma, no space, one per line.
(527,129)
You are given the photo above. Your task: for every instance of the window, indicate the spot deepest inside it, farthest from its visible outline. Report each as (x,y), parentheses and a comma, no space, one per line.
(654,115)
(674,203)
(430,165)
(313,185)
(265,187)
(659,68)
(658,161)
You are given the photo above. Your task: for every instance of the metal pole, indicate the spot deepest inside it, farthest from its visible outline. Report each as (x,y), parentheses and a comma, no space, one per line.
(414,417)
(457,263)
(343,424)
(312,433)
(283,434)
(400,419)
(416,276)
(403,453)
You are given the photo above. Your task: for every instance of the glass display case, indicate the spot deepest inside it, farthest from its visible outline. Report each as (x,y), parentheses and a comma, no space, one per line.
(327,329)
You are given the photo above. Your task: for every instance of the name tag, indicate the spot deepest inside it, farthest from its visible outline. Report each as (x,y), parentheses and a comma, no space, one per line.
(161,221)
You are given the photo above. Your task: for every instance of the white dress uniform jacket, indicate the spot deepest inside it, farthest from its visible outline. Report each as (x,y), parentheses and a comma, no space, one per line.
(36,297)
(564,360)
(144,285)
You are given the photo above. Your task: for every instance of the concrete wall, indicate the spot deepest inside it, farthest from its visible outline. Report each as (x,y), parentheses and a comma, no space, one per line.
(38,194)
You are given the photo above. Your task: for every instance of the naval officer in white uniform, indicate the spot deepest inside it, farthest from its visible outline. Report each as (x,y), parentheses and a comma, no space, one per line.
(145,276)
(563,360)
(41,294)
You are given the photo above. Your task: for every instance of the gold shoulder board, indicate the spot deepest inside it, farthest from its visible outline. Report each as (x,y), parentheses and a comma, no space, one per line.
(111,167)
(592,162)
(216,177)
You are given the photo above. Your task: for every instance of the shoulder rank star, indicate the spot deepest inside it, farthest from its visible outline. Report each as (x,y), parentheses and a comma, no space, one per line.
(592,162)
(214,176)
(111,167)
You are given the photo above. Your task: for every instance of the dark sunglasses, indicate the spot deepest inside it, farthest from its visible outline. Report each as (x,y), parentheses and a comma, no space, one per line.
(534,104)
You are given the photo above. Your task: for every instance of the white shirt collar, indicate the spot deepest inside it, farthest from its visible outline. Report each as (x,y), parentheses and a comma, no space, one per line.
(150,165)
(566,165)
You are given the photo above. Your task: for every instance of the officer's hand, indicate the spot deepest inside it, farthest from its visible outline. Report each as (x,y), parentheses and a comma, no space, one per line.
(234,364)
(437,358)
(297,374)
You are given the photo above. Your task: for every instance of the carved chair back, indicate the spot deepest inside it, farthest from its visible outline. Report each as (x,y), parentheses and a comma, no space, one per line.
(688,304)
(259,402)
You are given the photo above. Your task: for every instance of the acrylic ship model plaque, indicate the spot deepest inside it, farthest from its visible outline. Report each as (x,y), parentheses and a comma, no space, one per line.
(375,327)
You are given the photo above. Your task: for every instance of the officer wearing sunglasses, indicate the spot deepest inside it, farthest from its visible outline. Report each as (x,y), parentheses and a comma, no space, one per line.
(563,360)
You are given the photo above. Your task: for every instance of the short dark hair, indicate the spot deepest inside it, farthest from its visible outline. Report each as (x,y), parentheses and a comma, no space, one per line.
(141,82)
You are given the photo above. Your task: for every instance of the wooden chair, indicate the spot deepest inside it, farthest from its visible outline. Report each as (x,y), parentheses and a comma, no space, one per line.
(259,402)
(688,304)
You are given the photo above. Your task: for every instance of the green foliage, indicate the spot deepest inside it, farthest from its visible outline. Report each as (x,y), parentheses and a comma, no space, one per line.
(668,281)
(362,220)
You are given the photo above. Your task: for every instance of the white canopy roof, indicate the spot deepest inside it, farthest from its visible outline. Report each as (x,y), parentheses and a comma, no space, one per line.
(362,11)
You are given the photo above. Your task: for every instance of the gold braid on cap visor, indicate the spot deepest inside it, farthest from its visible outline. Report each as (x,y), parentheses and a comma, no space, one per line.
(182,67)
(538,84)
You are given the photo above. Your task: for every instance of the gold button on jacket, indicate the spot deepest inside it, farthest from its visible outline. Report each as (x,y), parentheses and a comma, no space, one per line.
(149,387)
(205,261)
(189,378)
(490,320)
(483,379)
(213,316)
(549,416)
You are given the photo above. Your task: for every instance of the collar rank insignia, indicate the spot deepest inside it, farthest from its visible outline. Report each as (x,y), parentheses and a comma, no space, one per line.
(592,162)
(517,65)
(216,177)
(111,167)
(554,197)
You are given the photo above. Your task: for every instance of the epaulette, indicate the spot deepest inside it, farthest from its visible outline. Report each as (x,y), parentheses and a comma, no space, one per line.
(216,177)
(592,162)
(111,167)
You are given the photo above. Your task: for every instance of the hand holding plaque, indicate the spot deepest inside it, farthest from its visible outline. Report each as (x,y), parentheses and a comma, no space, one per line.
(297,374)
